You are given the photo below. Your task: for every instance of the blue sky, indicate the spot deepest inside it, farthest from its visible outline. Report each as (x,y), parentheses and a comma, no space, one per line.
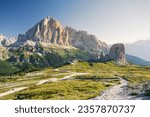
(111,20)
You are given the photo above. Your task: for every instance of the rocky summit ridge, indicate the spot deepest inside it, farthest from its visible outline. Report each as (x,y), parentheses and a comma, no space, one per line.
(49,32)
(86,42)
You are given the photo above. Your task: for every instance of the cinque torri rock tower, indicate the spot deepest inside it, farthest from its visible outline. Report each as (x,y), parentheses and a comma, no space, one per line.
(117,53)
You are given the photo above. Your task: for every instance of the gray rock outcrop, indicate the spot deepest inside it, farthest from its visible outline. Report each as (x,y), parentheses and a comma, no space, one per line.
(7,42)
(85,41)
(2,37)
(49,30)
(117,53)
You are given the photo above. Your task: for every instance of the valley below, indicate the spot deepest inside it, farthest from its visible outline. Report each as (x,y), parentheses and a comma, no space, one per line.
(79,81)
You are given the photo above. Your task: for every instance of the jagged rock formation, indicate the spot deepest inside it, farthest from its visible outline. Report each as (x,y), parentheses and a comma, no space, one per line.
(2,37)
(48,30)
(117,53)
(7,42)
(87,42)
(49,44)
(3,50)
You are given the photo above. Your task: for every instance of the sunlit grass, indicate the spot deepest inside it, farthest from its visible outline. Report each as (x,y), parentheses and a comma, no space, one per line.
(69,89)
(100,76)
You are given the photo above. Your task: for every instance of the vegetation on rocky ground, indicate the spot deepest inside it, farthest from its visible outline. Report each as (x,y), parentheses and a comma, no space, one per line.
(100,76)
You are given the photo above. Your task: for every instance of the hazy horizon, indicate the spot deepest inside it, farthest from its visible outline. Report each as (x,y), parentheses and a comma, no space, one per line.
(112,21)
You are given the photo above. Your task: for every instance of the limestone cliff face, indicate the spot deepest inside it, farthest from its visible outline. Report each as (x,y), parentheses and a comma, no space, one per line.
(85,41)
(49,30)
(117,53)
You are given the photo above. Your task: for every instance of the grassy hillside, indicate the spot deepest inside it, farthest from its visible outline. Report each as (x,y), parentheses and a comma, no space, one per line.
(40,56)
(58,56)
(134,73)
(100,76)
(27,59)
(76,89)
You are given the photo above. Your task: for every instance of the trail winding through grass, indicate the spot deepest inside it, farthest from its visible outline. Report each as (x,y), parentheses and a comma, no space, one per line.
(13,91)
(117,92)
(17,89)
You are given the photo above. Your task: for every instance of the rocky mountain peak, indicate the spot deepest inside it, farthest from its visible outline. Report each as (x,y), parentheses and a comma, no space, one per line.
(48,30)
(7,42)
(2,37)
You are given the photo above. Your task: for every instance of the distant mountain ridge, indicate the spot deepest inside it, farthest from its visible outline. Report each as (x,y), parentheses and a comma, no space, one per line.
(136,60)
(140,49)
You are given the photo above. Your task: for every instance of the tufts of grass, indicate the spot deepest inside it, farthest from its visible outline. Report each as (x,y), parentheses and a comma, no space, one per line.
(100,76)
(63,90)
